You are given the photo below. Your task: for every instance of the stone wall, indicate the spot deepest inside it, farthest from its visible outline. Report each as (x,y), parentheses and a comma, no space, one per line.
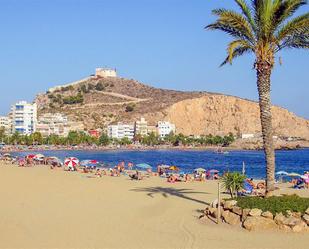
(255,219)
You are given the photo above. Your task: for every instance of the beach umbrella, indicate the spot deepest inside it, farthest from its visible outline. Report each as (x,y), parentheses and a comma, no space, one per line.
(293,174)
(282,173)
(30,156)
(89,162)
(7,155)
(38,157)
(143,166)
(174,168)
(213,171)
(54,160)
(71,162)
(200,170)
(163,166)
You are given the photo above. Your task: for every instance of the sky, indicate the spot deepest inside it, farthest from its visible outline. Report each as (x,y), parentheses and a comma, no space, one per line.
(159,42)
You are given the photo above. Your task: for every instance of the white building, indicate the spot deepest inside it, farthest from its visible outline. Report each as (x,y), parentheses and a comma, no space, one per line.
(165,128)
(105,72)
(53,124)
(247,136)
(24,118)
(5,123)
(120,131)
(141,127)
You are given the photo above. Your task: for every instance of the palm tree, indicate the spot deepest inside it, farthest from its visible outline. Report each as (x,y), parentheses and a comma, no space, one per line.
(264,28)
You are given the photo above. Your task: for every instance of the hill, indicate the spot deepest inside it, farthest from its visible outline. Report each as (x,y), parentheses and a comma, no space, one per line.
(98,102)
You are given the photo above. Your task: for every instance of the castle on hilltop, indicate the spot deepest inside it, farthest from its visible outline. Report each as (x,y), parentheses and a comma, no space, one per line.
(105,72)
(100,72)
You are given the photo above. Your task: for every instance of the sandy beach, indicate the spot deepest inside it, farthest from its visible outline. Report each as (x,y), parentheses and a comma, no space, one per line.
(43,208)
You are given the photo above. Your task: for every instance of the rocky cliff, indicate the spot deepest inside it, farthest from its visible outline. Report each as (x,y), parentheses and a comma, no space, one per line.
(101,101)
(218,114)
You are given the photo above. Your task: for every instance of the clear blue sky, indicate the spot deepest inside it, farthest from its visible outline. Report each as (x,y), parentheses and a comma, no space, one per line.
(158,42)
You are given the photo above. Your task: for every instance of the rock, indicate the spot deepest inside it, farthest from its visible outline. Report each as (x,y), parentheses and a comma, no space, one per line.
(291,221)
(245,213)
(296,214)
(214,203)
(203,217)
(255,212)
(229,204)
(289,213)
(237,210)
(268,215)
(285,228)
(307,211)
(306,218)
(293,214)
(301,226)
(279,218)
(213,212)
(230,217)
(254,223)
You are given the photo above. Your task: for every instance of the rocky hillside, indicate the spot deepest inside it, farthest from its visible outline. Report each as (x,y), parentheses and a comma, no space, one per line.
(101,101)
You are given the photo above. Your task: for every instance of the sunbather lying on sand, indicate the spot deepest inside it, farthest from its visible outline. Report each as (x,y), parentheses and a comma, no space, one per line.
(136,176)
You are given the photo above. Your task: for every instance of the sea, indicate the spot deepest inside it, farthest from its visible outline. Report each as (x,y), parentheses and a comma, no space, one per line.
(187,160)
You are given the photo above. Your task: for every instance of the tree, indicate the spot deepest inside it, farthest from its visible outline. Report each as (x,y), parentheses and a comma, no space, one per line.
(99,86)
(233,182)
(2,133)
(125,141)
(37,138)
(130,108)
(263,28)
(104,139)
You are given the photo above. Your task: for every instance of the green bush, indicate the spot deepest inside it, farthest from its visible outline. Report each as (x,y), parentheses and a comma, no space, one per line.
(233,182)
(275,204)
(99,87)
(74,99)
(130,108)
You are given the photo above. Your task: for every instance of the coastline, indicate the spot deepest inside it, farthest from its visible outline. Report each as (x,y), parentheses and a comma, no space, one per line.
(13,149)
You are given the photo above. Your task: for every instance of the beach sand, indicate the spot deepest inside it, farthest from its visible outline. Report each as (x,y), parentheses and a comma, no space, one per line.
(43,208)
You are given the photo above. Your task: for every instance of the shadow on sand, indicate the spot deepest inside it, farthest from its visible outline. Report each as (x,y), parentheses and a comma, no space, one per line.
(166,192)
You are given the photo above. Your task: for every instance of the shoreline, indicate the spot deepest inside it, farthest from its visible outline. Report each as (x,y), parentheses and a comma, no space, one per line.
(131,148)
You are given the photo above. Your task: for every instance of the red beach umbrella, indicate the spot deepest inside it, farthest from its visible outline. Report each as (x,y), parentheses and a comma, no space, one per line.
(71,162)
(30,156)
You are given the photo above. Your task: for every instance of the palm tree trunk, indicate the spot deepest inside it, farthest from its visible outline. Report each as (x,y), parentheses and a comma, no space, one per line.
(264,70)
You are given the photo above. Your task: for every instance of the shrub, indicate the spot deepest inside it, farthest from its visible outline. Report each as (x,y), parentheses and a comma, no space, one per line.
(99,87)
(129,108)
(275,204)
(233,182)
(73,99)
(67,88)
(84,89)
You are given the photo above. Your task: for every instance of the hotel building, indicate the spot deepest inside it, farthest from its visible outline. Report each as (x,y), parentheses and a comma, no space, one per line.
(24,118)
(120,131)
(165,128)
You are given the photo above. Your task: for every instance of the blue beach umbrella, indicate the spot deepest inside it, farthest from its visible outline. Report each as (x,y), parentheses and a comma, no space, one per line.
(282,173)
(143,166)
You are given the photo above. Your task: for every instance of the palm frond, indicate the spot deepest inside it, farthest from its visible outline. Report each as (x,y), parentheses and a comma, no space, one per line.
(285,10)
(232,23)
(247,13)
(235,49)
(296,41)
(297,25)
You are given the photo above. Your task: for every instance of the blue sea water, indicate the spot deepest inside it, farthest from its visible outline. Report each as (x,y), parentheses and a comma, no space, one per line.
(290,161)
